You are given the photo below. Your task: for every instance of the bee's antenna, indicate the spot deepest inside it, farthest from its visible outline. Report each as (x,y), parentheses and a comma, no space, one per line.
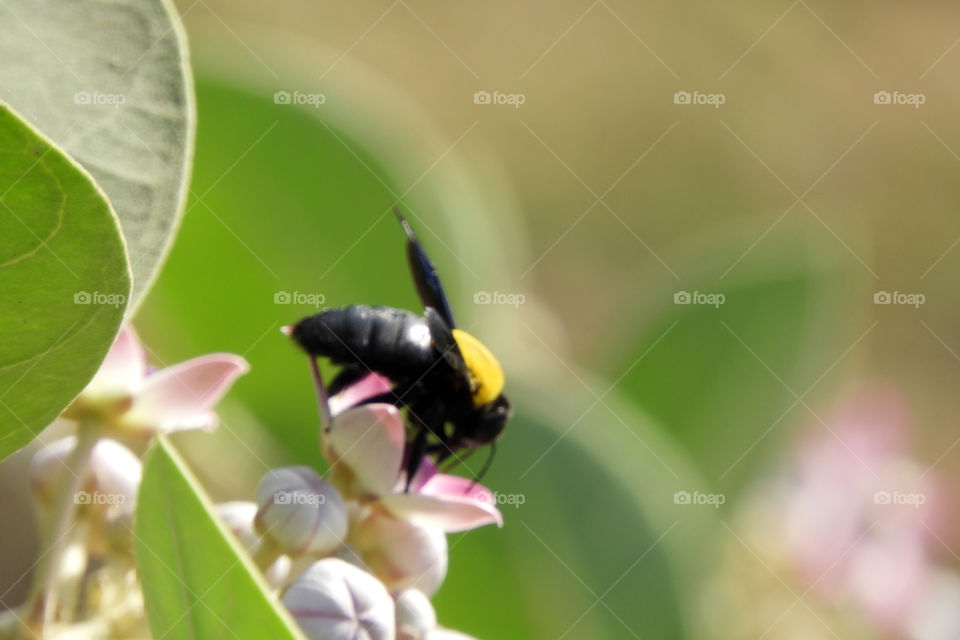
(486,465)
(458,460)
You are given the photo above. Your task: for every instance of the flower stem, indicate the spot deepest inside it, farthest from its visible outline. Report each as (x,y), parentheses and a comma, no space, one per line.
(41,604)
(265,554)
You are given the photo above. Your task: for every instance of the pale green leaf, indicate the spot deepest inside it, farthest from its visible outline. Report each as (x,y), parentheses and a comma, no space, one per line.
(197,581)
(108,82)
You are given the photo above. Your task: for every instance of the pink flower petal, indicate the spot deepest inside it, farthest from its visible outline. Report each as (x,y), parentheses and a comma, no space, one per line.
(426,471)
(451,503)
(184,393)
(368,440)
(367,387)
(122,369)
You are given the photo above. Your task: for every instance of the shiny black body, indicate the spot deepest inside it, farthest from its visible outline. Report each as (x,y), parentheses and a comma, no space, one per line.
(393,342)
(419,355)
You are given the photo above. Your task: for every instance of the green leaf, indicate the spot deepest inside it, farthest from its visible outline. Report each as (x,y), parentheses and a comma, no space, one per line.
(64,277)
(597,521)
(197,580)
(722,378)
(108,82)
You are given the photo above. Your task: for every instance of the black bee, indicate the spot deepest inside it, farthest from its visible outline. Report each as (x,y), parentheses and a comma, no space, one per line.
(449,382)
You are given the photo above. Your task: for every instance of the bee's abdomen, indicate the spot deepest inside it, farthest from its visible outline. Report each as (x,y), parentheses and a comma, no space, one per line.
(394,342)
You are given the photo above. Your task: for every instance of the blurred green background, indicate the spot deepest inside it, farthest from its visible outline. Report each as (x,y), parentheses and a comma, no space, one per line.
(598,200)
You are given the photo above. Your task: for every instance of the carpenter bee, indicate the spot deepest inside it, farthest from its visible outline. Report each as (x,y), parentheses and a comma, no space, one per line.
(447,380)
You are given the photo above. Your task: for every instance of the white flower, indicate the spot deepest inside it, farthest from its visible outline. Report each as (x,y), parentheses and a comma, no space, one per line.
(366,445)
(125,395)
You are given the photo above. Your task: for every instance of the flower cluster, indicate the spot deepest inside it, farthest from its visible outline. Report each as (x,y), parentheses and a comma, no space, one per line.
(358,556)
(857,523)
(85,487)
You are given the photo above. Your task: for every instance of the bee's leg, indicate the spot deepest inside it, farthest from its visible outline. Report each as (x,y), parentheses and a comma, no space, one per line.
(322,397)
(428,419)
(415,455)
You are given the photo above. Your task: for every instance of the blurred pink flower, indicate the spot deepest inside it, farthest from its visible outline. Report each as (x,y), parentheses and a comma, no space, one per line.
(365,446)
(127,395)
(858,511)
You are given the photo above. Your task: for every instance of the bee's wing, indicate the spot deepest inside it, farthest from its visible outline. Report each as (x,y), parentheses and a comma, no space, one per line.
(444,341)
(425,276)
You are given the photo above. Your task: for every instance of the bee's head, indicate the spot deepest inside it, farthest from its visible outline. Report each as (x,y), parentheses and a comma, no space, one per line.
(489,422)
(486,375)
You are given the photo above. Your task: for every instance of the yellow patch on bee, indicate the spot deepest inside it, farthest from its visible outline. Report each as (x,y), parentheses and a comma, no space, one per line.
(486,375)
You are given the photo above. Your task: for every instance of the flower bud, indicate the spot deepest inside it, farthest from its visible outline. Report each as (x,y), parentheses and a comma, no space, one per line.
(333,600)
(113,476)
(300,512)
(415,615)
(402,554)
